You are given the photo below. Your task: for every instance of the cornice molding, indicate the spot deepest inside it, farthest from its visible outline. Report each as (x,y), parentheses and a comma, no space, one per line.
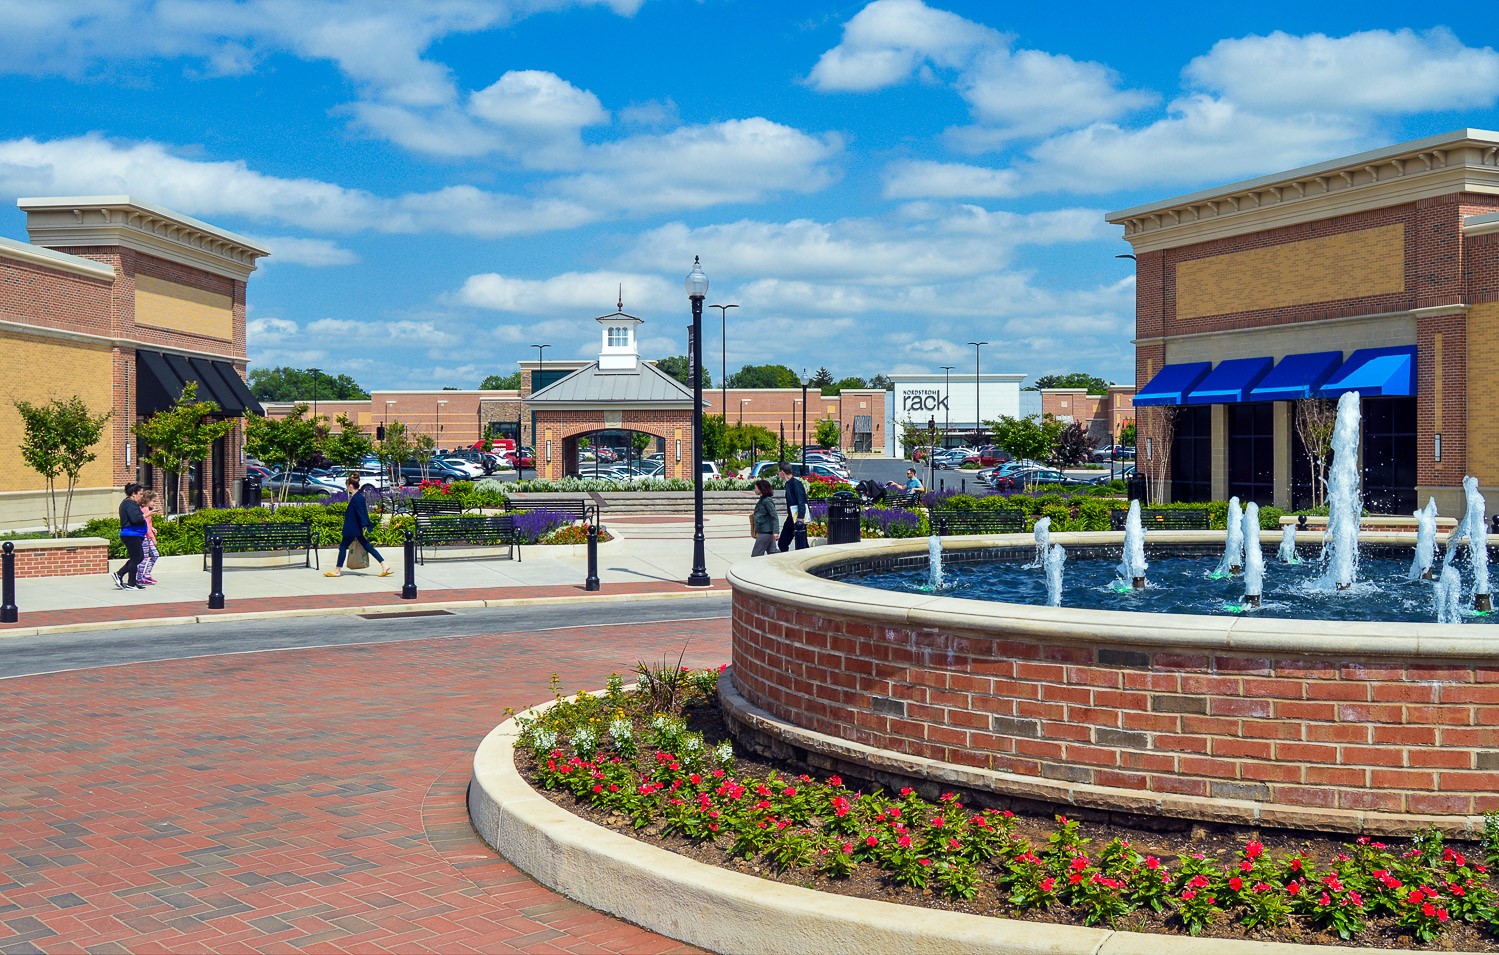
(1463,161)
(1481,225)
(1409,314)
(63,334)
(74,221)
(52,259)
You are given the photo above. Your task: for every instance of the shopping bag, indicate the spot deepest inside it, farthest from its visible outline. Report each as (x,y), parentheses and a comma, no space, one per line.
(358,558)
(753,532)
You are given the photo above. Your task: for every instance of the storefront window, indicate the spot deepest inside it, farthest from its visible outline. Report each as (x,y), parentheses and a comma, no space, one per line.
(1251,452)
(1389,443)
(1192,455)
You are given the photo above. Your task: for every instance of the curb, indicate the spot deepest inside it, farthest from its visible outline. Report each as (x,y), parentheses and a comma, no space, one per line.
(729,912)
(389,610)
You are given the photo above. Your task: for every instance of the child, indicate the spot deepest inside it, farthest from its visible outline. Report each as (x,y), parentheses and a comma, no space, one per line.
(148,563)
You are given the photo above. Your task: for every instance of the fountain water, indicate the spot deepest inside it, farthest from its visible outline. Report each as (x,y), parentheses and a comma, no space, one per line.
(1056,556)
(1254,556)
(1287,552)
(1344,498)
(934,561)
(1133,567)
(1233,545)
(1043,540)
(1478,544)
(1426,541)
(1447,596)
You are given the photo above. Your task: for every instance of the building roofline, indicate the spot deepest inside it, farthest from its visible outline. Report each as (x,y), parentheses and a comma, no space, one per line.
(53,259)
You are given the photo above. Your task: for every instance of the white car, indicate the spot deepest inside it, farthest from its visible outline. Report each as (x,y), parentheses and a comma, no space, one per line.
(459,464)
(710,471)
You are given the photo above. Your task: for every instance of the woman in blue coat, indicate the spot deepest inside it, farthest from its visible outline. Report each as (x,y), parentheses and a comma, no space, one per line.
(356,522)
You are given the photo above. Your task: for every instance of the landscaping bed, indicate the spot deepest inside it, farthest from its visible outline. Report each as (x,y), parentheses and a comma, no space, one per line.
(657,764)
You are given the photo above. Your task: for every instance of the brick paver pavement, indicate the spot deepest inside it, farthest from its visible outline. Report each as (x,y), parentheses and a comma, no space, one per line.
(294,800)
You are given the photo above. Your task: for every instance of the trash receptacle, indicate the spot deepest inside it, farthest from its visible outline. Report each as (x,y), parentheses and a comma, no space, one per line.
(1137,489)
(249,491)
(843,518)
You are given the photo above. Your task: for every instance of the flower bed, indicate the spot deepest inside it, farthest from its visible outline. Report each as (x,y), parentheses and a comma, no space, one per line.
(631,761)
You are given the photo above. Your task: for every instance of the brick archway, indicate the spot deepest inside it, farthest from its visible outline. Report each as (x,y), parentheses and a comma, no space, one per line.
(557,429)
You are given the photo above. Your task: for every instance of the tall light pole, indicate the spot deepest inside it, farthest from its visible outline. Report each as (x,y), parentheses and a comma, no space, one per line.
(440,403)
(395,466)
(947,406)
(540,365)
(805,382)
(723,361)
(317,375)
(697,290)
(978,416)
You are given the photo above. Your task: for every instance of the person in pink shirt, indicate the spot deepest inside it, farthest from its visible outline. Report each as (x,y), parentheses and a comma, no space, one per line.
(149,507)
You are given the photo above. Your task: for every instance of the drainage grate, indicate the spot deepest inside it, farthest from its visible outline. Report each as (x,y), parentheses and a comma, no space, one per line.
(405,613)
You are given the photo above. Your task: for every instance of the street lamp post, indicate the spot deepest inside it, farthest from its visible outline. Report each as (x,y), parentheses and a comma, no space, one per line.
(317,374)
(947,407)
(931,458)
(540,367)
(697,290)
(806,382)
(978,416)
(723,361)
(395,466)
(440,403)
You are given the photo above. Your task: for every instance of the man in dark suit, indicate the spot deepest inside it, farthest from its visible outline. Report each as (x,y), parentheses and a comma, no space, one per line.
(796,510)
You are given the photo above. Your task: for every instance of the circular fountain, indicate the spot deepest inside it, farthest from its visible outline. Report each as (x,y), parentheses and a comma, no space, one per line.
(1234,716)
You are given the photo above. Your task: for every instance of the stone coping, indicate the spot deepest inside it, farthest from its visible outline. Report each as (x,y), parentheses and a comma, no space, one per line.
(725,911)
(59,543)
(887,766)
(791,579)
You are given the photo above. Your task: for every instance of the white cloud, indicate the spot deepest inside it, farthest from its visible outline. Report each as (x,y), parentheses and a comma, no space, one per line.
(925,179)
(889,40)
(314,253)
(1031,92)
(536,100)
(270,332)
(579,294)
(1377,71)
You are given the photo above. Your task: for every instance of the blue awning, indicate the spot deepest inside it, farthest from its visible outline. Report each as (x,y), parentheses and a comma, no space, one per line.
(1297,376)
(1375,373)
(1171,384)
(1230,382)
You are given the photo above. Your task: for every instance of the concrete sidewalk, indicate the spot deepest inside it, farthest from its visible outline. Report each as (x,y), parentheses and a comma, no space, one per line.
(648,555)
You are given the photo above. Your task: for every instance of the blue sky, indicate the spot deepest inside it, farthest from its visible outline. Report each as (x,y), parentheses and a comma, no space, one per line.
(443,183)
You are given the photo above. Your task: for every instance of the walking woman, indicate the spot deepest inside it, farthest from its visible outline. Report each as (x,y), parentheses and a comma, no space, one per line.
(150,506)
(356,522)
(133,536)
(764,520)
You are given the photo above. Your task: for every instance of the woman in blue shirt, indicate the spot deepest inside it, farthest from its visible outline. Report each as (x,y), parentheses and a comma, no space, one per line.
(356,522)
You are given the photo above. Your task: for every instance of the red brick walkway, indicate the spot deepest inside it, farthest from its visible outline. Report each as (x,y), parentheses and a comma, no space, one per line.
(49,618)
(296,800)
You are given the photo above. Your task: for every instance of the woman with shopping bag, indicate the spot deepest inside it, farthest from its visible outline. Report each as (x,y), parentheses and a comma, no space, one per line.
(356,522)
(763,522)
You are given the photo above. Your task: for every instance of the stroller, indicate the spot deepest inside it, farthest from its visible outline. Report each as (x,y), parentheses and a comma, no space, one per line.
(870,492)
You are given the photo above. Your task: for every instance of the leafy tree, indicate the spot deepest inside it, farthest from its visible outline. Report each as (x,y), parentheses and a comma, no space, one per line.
(827,433)
(181,435)
(303,384)
(913,435)
(678,365)
(347,446)
(1127,435)
(288,442)
(59,442)
(395,448)
(842,383)
(1077,379)
(641,441)
(1071,447)
(510,382)
(741,439)
(423,445)
(880,381)
(714,433)
(1033,437)
(822,378)
(764,376)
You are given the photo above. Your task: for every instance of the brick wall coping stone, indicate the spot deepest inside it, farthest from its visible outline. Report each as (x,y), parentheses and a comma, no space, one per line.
(725,911)
(790,579)
(59,543)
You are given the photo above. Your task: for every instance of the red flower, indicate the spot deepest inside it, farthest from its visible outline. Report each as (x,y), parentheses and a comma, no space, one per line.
(835,780)
(872,841)
(1188,895)
(1428,910)
(1079,863)
(1254,850)
(1293,888)
(904,842)
(907,791)
(1075,878)
(1151,862)
(1415,897)
(1236,883)
(1047,884)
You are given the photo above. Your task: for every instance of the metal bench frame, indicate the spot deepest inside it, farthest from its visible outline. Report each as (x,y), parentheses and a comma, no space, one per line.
(441,523)
(269,535)
(1005,520)
(1163,518)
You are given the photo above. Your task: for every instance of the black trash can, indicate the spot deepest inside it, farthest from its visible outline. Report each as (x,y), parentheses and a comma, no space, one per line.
(249,491)
(1137,489)
(843,518)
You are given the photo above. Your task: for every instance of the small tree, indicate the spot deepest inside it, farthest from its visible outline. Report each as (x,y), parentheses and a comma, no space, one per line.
(179,436)
(59,442)
(912,436)
(1316,418)
(828,433)
(395,448)
(423,445)
(348,446)
(822,378)
(641,441)
(1160,428)
(1127,435)
(1032,437)
(1071,447)
(714,434)
(282,442)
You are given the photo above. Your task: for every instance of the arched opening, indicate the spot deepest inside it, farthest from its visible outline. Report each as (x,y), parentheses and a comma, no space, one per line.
(614,454)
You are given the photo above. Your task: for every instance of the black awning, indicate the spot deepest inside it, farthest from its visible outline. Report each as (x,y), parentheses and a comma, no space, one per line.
(161,376)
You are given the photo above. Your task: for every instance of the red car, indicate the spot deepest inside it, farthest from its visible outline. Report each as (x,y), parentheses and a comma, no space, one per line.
(987,456)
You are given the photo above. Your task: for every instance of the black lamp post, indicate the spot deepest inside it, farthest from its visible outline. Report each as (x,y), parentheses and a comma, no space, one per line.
(317,375)
(697,290)
(723,361)
(931,457)
(978,416)
(805,382)
(947,406)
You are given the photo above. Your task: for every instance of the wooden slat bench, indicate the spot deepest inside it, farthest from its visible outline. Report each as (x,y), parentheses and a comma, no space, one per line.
(1006,520)
(271,535)
(1163,518)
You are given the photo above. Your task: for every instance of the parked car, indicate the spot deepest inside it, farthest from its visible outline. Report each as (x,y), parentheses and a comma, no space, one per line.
(1122,474)
(469,469)
(293,484)
(710,471)
(987,456)
(949,458)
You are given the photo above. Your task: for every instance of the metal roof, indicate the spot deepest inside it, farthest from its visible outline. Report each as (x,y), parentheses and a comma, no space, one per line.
(644,384)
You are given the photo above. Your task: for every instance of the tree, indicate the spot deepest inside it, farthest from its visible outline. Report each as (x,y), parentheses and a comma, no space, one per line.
(1127,435)
(423,444)
(842,383)
(1076,379)
(1160,427)
(1033,437)
(822,378)
(828,433)
(181,435)
(677,366)
(510,382)
(913,435)
(764,376)
(288,442)
(714,432)
(1071,447)
(395,448)
(59,442)
(303,384)
(348,446)
(641,440)
(880,381)
(741,439)
(1316,418)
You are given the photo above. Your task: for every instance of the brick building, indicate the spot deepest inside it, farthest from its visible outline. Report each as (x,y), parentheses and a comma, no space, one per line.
(120,303)
(1102,417)
(1376,273)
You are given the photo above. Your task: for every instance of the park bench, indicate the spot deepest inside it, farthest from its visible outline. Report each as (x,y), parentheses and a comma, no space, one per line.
(902,499)
(1163,518)
(1008,520)
(478,530)
(575,510)
(272,535)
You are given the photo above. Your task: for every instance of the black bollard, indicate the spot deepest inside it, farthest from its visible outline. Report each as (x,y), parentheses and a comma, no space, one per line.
(408,589)
(9,613)
(592,582)
(216,574)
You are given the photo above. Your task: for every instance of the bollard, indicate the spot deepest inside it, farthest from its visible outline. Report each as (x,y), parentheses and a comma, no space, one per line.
(592,582)
(216,574)
(408,589)
(9,613)
(965,485)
